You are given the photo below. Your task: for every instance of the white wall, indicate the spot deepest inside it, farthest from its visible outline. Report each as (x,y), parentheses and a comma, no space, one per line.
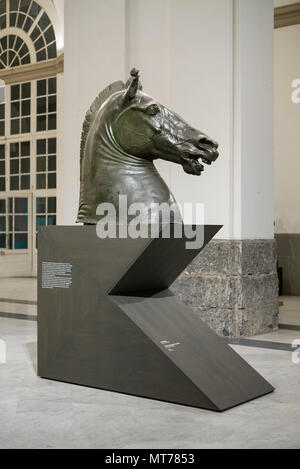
(94,57)
(287,131)
(253,180)
(193,78)
(210,61)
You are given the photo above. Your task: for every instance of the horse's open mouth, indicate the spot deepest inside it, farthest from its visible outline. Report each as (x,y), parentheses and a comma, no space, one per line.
(192,165)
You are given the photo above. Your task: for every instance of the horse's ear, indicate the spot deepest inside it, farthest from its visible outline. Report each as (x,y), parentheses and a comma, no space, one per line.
(133,85)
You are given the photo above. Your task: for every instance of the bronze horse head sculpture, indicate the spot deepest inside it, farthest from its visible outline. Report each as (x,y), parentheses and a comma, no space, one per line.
(123,133)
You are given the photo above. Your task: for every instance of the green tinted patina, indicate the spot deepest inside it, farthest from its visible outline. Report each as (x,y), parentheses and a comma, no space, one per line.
(124,131)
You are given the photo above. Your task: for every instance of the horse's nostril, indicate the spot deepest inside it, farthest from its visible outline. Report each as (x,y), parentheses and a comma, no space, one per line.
(205,141)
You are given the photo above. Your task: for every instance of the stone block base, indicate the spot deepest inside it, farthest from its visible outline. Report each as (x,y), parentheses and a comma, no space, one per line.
(233,287)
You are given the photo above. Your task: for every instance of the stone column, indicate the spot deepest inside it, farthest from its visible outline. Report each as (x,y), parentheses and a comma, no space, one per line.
(232,286)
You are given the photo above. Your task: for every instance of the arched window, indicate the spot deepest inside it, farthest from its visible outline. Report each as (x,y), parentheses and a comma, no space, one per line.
(26,33)
(28,128)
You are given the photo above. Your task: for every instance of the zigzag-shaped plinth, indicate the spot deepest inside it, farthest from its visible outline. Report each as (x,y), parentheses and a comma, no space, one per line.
(118,327)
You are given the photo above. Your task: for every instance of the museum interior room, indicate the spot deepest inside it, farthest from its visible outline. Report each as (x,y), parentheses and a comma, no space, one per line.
(131,342)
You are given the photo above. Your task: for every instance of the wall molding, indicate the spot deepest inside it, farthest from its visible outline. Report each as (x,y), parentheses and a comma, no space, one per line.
(34,71)
(287,15)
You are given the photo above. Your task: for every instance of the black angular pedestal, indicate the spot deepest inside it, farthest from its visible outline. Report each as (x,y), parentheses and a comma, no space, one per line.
(118,327)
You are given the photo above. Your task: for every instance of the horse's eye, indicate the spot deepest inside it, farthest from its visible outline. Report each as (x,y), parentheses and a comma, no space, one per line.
(153,109)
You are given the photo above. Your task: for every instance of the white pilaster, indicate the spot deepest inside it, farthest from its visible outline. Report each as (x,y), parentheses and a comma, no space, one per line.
(253,166)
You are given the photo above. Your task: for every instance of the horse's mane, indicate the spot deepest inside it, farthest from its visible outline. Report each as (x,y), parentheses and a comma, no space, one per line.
(95,106)
(90,117)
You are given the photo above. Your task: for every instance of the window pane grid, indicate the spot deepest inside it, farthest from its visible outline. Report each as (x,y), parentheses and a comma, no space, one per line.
(46,104)
(2,168)
(20,166)
(14,51)
(20,108)
(3,224)
(14,223)
(16,155)
(46,163)
(2,111)
(28,16)
(45,212)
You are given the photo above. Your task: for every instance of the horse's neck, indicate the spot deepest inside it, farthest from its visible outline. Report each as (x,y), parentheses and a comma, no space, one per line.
(137,178)
(126,162)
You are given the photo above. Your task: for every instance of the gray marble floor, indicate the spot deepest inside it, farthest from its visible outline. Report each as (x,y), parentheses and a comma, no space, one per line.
(37,413)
